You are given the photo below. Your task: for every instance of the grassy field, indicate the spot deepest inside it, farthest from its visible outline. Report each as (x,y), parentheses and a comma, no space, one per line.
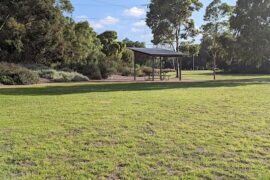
(208,75)
(205,130)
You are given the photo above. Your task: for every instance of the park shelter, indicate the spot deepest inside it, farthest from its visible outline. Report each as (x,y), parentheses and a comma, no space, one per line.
(158,53)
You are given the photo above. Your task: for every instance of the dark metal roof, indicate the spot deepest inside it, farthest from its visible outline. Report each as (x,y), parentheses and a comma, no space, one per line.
(158,52)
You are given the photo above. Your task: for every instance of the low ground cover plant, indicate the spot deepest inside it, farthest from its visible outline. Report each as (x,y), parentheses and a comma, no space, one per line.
(57,75)
(12,74)
(62,76)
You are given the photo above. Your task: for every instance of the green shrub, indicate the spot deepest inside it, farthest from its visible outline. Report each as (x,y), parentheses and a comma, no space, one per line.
(147,71)
(92,71)
(47,73)
(12,74)
(126,71)
(7,80)
(79,77)
(57,76)
(139,73)
(107,68)
(70,77)
(61,76)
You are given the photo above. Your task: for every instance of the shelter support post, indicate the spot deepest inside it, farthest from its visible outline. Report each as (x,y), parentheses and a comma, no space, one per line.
(177,68)
(180,68)
(134,68)
(160,68)
(153,69)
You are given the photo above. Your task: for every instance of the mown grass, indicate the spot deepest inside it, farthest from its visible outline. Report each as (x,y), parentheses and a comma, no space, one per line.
(208,76)
(205,130)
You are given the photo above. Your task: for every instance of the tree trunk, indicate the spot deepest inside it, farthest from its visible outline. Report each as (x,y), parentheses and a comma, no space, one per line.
(160,68)
(193,62)
(176,67)
(134,67)
(180,69)
(177,38)
(153,69)
(214,66)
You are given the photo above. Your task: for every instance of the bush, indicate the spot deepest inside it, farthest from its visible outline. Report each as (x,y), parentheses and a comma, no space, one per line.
(147,71)
(57,76)
(94,69)
(139,71)
(107,68)
(12,74)
(47,73)
(7,80)
(91,69)
(70,77)
(79,77)
(61,76)
(126,71)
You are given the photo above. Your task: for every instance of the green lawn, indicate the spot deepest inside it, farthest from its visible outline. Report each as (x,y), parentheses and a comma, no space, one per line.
(205,130)
(208,75)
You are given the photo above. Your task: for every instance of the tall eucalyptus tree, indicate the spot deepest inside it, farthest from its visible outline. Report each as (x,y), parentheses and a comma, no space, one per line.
(171,21)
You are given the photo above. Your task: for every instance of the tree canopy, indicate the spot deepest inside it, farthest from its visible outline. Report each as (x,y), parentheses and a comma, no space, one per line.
(110,45)
(216,17)
(171,20)
(42,32)
(130,43)
(251,24)
(36,36)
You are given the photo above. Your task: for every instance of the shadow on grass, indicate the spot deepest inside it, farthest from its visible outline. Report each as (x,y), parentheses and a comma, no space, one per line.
(64,89)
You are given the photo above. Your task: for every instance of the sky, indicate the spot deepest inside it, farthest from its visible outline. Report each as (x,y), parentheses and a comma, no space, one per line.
(127,17)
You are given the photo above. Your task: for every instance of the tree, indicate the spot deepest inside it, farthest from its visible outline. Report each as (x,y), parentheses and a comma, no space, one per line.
(81,42)
(34,37)
(251,24)
(130,43)
(171,21)
(110,45)
(191,49)
(194,50)
(127,56)
(216,17)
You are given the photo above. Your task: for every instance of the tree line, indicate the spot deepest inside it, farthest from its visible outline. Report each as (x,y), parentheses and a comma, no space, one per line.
(41,32)
(235,38)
